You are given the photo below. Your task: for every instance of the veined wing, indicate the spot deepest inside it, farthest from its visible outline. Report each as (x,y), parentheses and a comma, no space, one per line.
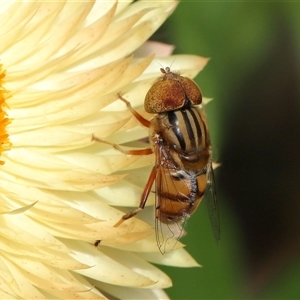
(212,204)
(170,195)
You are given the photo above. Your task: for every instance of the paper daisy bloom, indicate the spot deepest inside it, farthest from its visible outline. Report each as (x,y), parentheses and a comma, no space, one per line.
(62,65)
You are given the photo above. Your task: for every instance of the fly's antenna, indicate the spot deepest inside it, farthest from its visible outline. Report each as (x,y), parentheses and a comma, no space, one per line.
(168,69)
(172,62)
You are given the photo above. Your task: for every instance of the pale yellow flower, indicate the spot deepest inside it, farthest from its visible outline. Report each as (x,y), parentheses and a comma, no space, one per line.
(62,65)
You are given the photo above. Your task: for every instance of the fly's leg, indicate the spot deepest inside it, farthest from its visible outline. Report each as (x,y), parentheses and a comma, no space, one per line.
(140,118)
(143,201)
(149,184)
(145,151)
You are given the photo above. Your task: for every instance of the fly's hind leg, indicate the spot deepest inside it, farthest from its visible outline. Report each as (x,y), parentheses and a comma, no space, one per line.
(143,201)
(145,194)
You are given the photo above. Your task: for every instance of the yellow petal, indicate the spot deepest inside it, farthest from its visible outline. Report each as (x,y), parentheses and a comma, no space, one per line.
(176,258)
(131,293)
(102,263)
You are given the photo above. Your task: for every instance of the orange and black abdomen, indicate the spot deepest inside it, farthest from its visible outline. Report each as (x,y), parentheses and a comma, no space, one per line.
(179,195)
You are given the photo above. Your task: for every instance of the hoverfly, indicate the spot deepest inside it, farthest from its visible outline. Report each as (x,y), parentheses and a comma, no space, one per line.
(183,171)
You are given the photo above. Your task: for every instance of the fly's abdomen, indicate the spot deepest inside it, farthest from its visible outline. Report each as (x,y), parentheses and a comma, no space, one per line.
(179,195)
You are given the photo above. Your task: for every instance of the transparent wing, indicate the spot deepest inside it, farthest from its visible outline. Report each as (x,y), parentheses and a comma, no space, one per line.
(212,205)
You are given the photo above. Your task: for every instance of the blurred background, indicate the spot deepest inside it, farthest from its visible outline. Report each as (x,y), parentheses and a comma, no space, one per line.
(253,76)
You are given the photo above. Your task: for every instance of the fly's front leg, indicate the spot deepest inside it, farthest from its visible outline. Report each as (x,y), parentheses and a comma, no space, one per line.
(140,118)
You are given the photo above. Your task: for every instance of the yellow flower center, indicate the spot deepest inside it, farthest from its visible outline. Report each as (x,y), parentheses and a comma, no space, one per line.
(4,121)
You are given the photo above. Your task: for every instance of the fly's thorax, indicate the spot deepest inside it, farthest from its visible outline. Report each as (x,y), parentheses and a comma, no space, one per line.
(184,133)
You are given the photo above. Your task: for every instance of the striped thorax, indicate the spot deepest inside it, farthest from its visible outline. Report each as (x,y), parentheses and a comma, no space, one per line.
(184,133)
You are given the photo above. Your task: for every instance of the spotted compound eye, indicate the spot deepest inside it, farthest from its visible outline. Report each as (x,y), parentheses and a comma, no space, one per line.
(172,92)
